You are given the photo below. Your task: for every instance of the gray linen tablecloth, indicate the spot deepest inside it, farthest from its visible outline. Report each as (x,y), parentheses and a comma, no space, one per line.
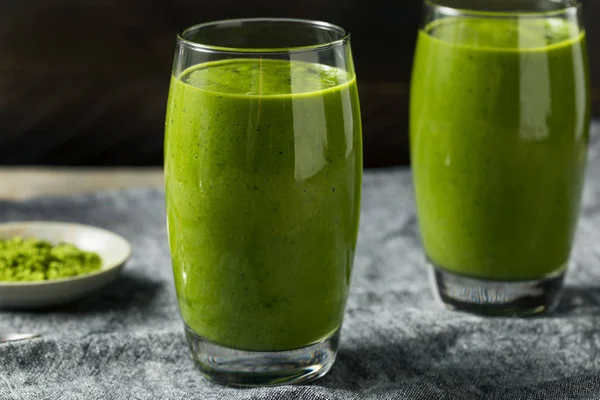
(126,342)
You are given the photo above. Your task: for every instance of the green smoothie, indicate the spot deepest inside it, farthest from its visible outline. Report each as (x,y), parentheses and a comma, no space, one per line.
(263,166)
(499,133)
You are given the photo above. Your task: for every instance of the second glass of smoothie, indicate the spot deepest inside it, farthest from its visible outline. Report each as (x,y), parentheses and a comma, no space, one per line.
(263,164)
(499,135)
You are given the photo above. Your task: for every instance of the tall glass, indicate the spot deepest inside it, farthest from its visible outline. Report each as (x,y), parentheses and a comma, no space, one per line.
(263,165)
(499,136)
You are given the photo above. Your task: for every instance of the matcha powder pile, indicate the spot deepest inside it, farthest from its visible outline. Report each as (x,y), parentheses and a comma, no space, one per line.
(37,260)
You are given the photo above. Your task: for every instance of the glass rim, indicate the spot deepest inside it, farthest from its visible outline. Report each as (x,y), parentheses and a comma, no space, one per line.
(344,37)
(565,7)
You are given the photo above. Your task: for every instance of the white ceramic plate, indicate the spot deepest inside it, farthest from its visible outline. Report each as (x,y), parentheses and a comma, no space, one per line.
(112,248)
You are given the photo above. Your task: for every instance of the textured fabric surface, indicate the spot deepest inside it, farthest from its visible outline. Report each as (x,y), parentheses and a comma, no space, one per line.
(127,342)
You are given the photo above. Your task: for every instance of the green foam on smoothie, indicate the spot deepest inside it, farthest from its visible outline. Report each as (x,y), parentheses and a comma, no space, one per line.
(509,33)
(264,77)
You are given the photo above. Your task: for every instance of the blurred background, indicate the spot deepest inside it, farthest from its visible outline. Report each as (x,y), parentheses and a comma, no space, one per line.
(84,82)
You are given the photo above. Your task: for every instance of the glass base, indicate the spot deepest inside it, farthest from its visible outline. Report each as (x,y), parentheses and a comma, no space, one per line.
(256,368)
(497,298)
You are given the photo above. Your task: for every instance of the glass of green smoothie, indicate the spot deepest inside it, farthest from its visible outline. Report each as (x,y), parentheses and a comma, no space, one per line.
(263,169)
(499,122)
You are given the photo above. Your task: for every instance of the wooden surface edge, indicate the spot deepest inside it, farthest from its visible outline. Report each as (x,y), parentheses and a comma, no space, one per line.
(21,183)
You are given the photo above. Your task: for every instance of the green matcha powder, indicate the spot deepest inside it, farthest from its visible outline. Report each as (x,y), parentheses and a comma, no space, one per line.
(38,260)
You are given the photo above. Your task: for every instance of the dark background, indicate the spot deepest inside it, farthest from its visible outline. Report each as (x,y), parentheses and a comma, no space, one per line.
(85,82)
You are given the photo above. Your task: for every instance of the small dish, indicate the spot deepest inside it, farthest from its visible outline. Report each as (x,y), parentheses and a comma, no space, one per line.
(112,248)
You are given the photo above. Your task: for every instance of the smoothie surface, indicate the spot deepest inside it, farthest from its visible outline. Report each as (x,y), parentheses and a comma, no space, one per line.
(264,77)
